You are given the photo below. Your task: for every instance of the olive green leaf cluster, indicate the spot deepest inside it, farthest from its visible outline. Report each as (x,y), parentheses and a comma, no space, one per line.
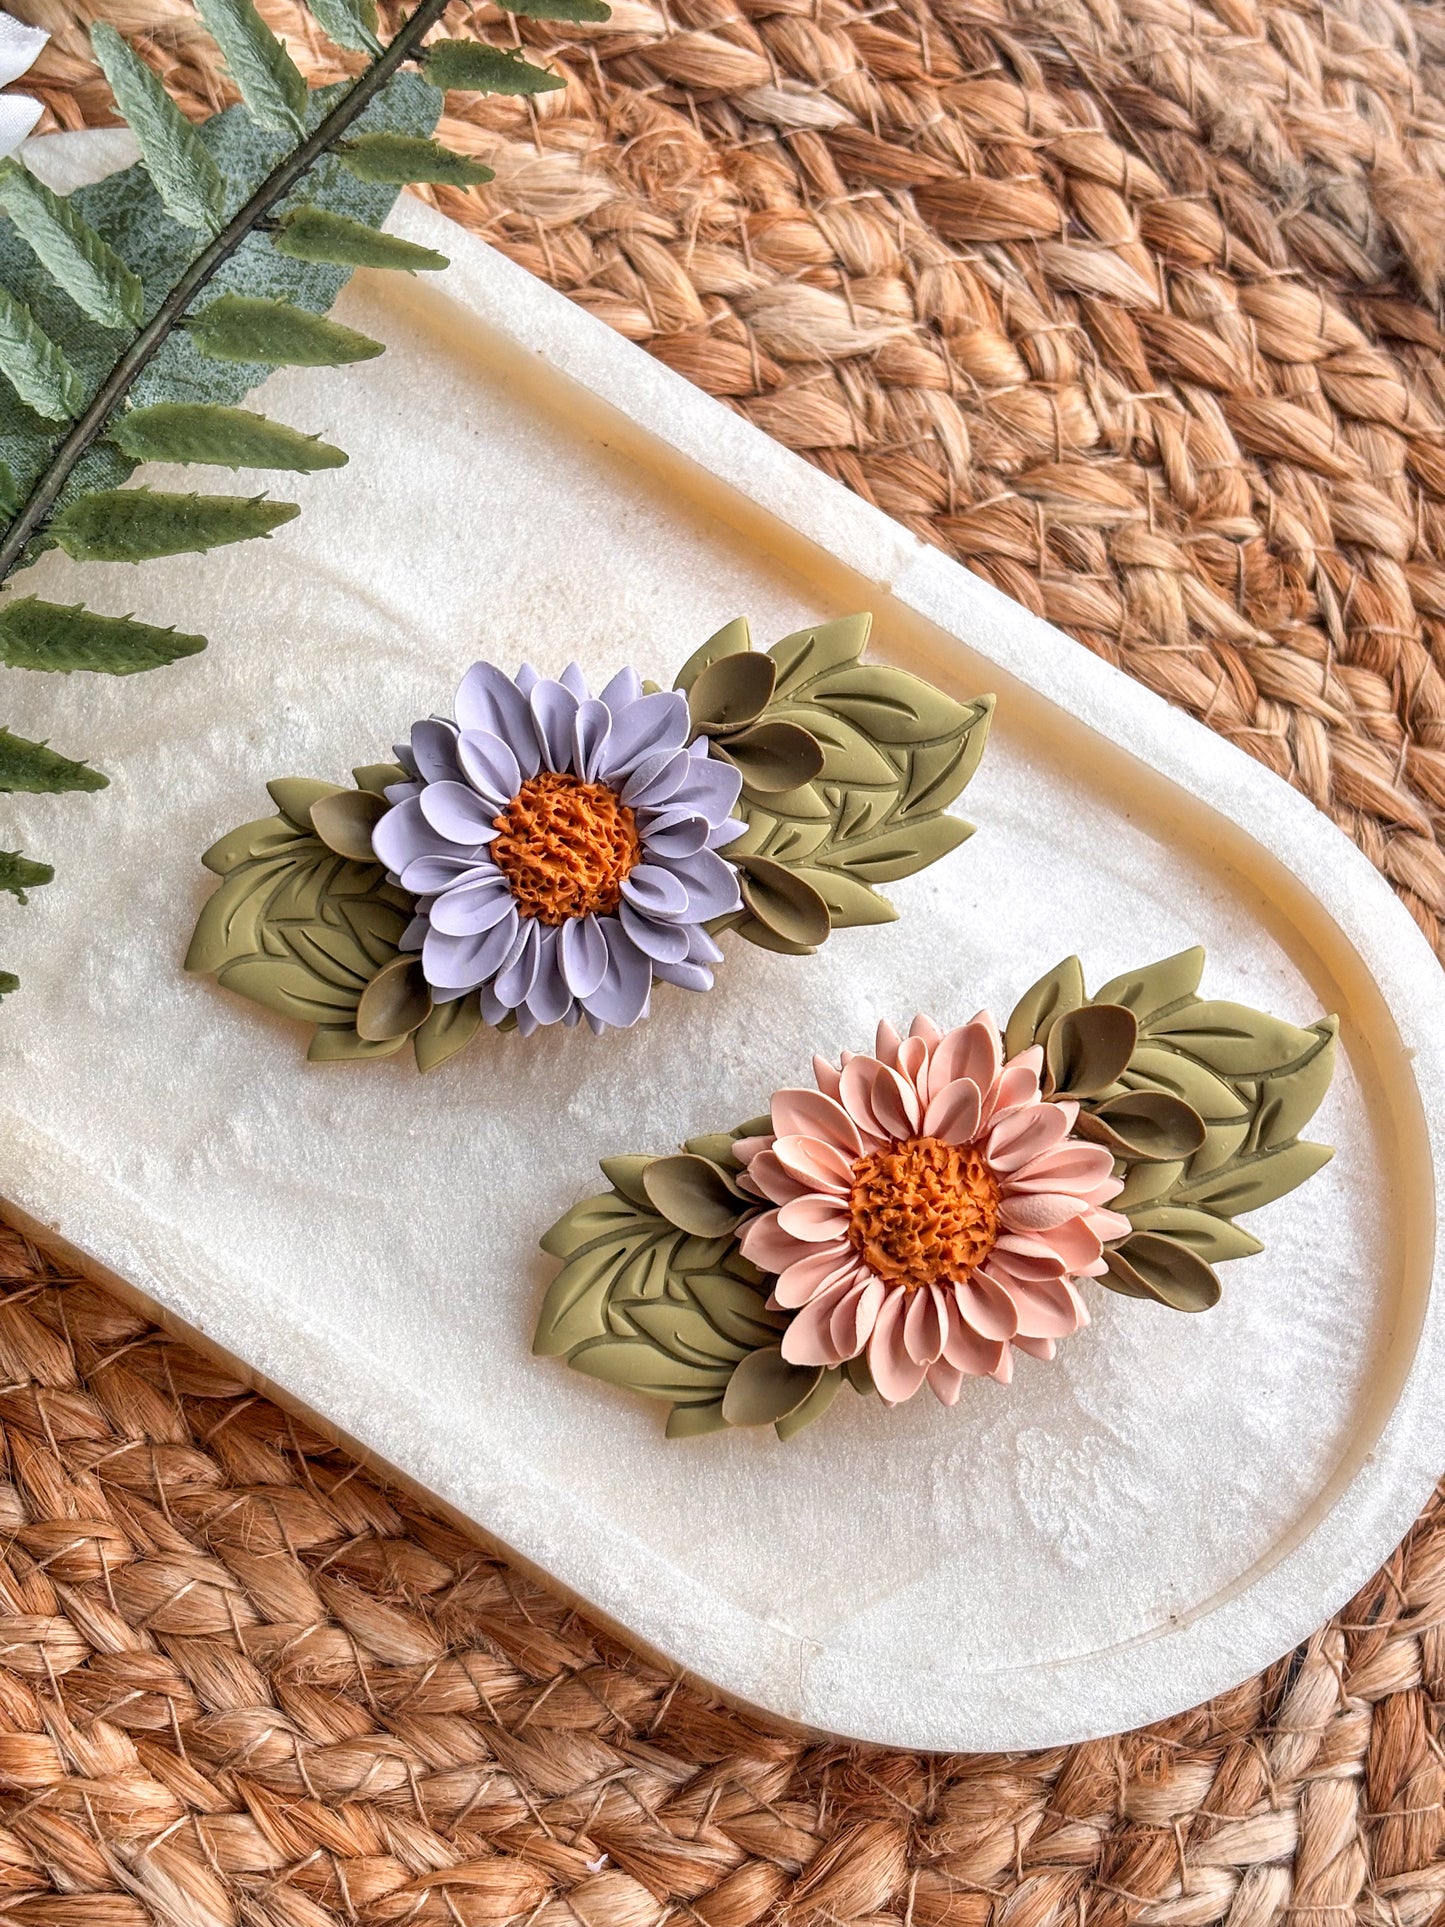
(136,314)
(654,1296)
(848,769)
(305,924)
(1201,1101)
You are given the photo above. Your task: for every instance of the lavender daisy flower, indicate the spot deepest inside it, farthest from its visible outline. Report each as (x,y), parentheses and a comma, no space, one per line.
(562,847)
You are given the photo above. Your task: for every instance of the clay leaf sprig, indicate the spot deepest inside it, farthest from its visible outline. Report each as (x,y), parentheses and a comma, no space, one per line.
(935,1208)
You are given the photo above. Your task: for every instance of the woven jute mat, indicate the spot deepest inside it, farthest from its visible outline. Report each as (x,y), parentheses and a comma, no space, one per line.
(1132,306)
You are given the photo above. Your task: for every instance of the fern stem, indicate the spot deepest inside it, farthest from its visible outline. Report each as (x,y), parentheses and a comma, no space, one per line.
(88,425)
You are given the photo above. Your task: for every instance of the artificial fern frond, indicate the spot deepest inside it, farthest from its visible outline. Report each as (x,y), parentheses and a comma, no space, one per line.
(350,23)
(176,158)
(270,81)
(313,234)
(580,12)
(34,366)
(47,635)
(18,874)
(195,431)
(91,273)
(401,159)
(467,65)
(251,328)
(9,491)
(138,524)
(41,771)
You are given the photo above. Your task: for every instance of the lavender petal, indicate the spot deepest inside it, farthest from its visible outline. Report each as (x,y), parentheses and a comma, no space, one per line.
(554,712)
(687,976)
(490,700)
(657,892)
(583,955)
(621,997)
(712,788)
(549,996)
(589,737)
(673,833)
(644,727)
(656,779)
(401,834)
(624,688)
(472,908)
(516,977)
(434,749)
(573,679)
(490,766)
(662,942)
(711,884)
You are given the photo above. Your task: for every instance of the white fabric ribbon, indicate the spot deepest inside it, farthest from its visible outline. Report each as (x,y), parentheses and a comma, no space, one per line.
(19,47)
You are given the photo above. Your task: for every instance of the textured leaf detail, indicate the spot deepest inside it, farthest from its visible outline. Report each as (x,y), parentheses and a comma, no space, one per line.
(46,635)
(89,270)
(470,67)
(40,770)
(269,80)
(201,432)
(240,327)
(400,159)
(133,525)
(185,174)
(315,234)
(1059,990)
(350,23)
(34,366)
(21,874)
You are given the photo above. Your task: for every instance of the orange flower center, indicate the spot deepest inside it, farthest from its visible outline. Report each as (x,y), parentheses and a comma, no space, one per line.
(922,1211)
(565,847)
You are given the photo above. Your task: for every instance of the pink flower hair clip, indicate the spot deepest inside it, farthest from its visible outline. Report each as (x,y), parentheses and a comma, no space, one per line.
(934,1207)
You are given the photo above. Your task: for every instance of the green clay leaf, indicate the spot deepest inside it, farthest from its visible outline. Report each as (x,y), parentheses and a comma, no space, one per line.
(316,234)
(694,1195)
(179,431)
(938,773)
(34,366)
(21,874)
(449,1029)
(136,524)
(467,66)
(579,12)
(1147,1184)
(1253,1182)
(269,80)
(889,854)
(810,653)
(345,820)
(79,261)
(1230,1038)
(775,756)
(641,1366)
(47,635)
(731,640)
(765,1388)
(340,1044)
(1211,1238)
(238,327)
(812,1408)
(684,1331)
(396,1001)
(624,1174)
(40,771)
(398,160)
(1058,990)
(297,796)
(731,692)
(597,1221)
(1153,1068)
(378,778)
(847,899)
(191,186)
(1087,1049)
(1158,986)
(350,23)
(888,705)
(1290,1101)
(695,1421)
(783,903)
(1146,1265)
(848,755)
(754,931)
(1144,1124)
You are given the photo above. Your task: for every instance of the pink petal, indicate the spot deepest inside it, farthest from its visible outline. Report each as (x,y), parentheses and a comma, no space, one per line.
(1076,1244)
(765,1244)
(813,1114)
(974,1051)
(954,1114)
(815,1162)
(1004,1370)
(766,1176)
(925,1028)
(1044,1348)
(855,1093)
(1049,1311)
(895,1103)
(854,1317)
(1101,1193)
(970,1352)
(815,1219)
(1066,1167)
(1108,1225)
(1008,1268)
(913,1064)
(826,1075)
(1017,1084)
(807,1340)
(808,1277)
(1038,1210)
(745,1149)
(895,1374)
(1021,1135)
(945,1381)
(986,1307)
(885,1049)
(923,1325)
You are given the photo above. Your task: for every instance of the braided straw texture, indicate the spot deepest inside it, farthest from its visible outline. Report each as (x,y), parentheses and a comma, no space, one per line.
(1132,306)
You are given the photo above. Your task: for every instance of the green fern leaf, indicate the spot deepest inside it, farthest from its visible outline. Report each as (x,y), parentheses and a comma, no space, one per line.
(91,273)
(350,23)
(580,12)
(137,524)
(397,160)
(18,874)
(35,368)
(313,234)
(182,431)
(41,771)
(243,327)
(178,161)
(9,493)
(45,635)
(472,68)
(269,80)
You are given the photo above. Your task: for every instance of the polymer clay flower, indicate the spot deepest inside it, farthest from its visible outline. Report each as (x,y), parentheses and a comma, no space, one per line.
(562,847)
(931,1209)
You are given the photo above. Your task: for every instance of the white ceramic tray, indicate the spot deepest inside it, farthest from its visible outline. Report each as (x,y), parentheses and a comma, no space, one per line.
(1163,1511)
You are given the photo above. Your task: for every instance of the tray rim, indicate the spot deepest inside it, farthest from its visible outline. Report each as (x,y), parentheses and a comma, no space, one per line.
(1308,1582)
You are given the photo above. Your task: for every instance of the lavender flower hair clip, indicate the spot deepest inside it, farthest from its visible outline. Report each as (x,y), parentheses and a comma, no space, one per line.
(545,855)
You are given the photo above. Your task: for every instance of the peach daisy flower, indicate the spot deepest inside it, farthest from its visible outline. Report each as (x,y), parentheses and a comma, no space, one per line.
(931,1208)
